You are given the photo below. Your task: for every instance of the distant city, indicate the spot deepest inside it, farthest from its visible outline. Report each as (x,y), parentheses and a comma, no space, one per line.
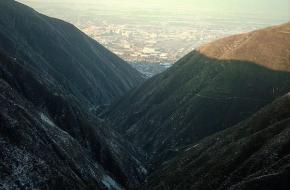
(157,37)
(157,42)
(153,47)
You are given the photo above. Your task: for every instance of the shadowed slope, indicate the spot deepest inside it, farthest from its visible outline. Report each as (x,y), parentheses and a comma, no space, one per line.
(60,52)
(25,112)
(201,95)
(36,154)
(254,154)
(53,77)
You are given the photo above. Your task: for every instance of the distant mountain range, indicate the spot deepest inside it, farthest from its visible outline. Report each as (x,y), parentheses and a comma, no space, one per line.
(75,116)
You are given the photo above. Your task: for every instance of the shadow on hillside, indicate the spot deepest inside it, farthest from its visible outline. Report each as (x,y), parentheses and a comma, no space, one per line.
(196,97)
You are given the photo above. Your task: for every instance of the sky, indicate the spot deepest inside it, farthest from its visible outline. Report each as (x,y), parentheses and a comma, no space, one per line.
(276,9)
(270,6)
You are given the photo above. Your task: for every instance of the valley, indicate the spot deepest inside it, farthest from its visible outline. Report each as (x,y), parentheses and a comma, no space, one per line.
(141,34)
(77,115)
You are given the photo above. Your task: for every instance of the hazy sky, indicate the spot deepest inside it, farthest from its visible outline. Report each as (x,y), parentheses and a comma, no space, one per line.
(243,5)
(267,8)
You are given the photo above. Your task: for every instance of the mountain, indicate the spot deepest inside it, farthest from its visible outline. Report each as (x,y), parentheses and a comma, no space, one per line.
(58,50)
(53,80)
(209,90)
(253,154)
(68,108)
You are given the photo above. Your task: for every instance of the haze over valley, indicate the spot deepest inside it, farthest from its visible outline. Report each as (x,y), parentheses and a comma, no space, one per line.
(94,101)
(161,32)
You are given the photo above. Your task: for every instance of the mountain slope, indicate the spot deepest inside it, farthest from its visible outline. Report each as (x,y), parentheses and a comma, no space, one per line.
(53,78)
(36,154)
(60,51)
(254,154)
(210,89)
(69,128)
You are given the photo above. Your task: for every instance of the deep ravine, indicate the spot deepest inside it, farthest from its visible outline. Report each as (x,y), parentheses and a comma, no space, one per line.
(75,116)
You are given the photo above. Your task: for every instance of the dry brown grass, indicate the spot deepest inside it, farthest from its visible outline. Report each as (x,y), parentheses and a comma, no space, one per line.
(268,47)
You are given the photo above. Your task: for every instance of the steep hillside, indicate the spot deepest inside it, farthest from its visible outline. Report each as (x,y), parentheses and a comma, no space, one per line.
(52,80)
(36,154)
(53,131)
(254,154)
(59,51)
(210,89)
